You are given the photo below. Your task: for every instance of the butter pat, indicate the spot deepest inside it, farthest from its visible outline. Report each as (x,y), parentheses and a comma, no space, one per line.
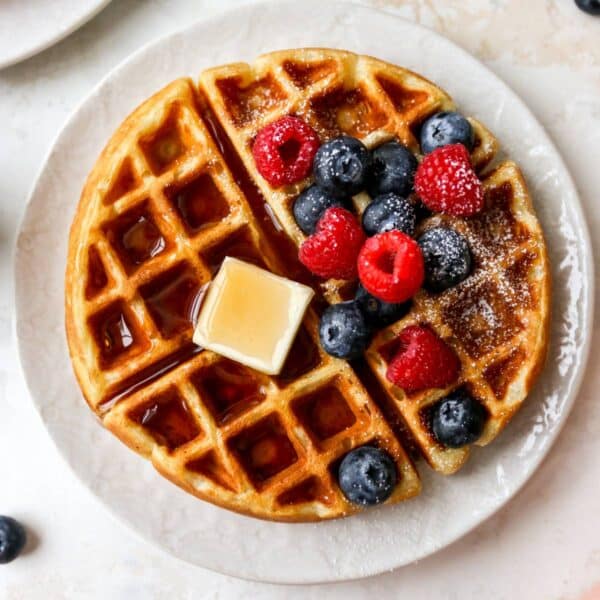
(251,315)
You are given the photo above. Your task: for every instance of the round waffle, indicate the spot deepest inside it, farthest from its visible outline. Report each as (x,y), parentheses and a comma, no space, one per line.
(176,190)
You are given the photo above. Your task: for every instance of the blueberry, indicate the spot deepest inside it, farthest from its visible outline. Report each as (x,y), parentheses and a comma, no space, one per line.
(310,206)
(591,7)
(367,476)
(458,419)
(343,330)
(12,539)
(393,170)
(341,166)
(446,128)
(447,258)
(387,212)
(378,313)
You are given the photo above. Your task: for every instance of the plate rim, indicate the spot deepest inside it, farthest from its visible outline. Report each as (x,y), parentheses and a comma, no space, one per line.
(587,301)
(57,36)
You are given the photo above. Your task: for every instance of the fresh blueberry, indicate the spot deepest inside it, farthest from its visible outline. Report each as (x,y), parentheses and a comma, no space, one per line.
(12,539)
(446,128)
(387,212)
(447,258)
(310,206)
(591,7)
(393,170)
(341,166)
(367,476)
(378,313)
(343,330)
(458,419)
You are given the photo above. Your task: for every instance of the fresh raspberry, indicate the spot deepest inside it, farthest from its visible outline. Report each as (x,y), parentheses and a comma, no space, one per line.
(332,250)
(284,150)
(390,266)
(446,182)
(423,361)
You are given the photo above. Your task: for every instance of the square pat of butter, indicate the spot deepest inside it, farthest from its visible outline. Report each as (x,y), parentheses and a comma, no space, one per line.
(251,315)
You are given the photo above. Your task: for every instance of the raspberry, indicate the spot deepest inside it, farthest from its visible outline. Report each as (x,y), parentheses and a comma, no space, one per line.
(423,361)
(284,150)
(390,266)
(445,182)
(332,250)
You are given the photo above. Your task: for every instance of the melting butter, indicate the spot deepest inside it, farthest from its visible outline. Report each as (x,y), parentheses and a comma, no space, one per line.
(251,315)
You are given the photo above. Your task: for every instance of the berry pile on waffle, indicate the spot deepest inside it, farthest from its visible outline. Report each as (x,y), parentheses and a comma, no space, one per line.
(359,180)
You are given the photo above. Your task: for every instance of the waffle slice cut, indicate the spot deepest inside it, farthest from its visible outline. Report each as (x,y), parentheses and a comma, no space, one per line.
(336,92)
(159,212)
(496,320)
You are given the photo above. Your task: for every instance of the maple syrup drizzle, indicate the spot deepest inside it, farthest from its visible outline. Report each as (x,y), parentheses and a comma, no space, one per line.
(302,358)
(264,449)
(196,304)
(248,102)
(135,236)
(165,145)
(286,251)
(229,389)
(210,466)
(325,413)
(168,419)
(199,203)
(173,300)
(309,490)
(114,330)
(96,278)
(387,406)
(125,182)
(146,376)
(239,245)
(142,241)
(285,248)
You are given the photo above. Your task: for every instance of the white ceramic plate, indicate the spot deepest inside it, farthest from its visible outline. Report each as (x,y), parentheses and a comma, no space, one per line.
(214,538)
(30,26)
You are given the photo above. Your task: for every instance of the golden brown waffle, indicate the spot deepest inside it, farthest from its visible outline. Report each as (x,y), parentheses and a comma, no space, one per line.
(175,191)
(336,92)
(496,320)
(158,214)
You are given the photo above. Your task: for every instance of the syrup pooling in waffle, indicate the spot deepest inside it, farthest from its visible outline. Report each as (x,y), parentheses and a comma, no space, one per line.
(178,189)
(159,214)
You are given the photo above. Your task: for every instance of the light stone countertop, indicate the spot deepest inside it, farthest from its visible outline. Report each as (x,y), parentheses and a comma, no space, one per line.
(544,545)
